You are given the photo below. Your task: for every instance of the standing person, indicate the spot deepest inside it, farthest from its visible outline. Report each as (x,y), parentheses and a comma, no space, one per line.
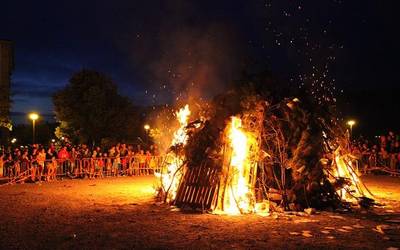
(53,168)
(130,160)
(100,166)
(373,157)
(153,164)
(63,157)
(123,154)
(93,165)
(118,158)
(86,161)
(357,153)
(365,153)
(34,164)
(383,142)
(136,167)
(391,140)
(24,161)
(147,164)
(108,163)
(111,155)
(17,164)
(385,157)
(79,162)
(72,161)
(116,164)
(41,158)
(142,161)
(48,163)
(9,164)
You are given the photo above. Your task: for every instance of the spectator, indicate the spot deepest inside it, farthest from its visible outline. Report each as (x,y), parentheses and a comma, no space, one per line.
(63,156)
(41,158)
(36,162)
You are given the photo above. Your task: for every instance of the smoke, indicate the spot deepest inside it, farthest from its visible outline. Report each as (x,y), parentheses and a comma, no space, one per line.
(186,55)
(197,63)
(182,50)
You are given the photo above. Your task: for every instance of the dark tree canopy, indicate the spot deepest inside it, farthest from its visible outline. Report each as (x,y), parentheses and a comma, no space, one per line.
(91,110)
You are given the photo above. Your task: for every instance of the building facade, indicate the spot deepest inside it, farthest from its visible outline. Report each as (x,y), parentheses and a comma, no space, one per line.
(6,68)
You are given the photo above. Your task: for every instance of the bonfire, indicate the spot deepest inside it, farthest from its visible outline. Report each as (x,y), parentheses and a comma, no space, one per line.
(250,156)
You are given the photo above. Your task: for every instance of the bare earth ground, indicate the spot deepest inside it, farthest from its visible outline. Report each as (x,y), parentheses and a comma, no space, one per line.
(120,213)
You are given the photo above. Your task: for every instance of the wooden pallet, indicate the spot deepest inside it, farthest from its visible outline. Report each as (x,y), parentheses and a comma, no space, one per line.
(198,188)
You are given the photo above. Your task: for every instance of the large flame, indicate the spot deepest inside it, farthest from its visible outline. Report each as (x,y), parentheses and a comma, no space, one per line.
(180,136)
(345,169)
(170,177)
(238,194)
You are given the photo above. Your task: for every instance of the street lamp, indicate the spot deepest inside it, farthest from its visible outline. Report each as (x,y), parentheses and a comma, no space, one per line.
(147,129)
(351,123)
(33,117)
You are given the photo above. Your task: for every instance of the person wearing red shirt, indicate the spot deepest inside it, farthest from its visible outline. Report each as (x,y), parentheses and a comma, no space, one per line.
(63,158)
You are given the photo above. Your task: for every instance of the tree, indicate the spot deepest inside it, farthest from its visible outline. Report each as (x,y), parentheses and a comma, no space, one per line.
(90,109)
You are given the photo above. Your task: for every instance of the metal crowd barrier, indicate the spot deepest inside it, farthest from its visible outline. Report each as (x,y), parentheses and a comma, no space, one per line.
(377,161)
(84,167)
(142,165)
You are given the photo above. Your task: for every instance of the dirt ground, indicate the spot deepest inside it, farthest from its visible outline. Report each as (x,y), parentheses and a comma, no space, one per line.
(120,213)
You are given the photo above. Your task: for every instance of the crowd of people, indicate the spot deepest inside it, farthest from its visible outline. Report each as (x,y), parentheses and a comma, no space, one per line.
(39,163)
(381,153)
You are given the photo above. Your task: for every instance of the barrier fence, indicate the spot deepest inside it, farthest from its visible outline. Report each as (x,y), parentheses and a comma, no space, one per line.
(83,167)
(389,163)
(22,170)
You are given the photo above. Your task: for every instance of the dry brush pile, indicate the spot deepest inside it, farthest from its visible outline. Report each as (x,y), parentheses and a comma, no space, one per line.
(297,156)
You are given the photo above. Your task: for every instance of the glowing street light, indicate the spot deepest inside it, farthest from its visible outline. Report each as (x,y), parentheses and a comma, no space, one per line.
(13,140)
(33,117)
(147,129)
(351,123)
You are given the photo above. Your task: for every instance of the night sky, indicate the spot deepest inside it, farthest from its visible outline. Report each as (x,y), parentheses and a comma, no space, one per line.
(156,51)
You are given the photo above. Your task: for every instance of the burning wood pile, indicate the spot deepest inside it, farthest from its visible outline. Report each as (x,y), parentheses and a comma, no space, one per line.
(245,154)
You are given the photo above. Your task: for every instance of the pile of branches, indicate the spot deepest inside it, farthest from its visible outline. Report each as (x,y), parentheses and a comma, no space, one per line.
(297,139)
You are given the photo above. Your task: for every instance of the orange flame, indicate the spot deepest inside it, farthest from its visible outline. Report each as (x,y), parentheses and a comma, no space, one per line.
(171,176)
(180,136)
(238,195)
(345,168)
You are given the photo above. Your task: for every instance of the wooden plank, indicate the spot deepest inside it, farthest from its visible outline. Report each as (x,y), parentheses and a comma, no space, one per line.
(198,187)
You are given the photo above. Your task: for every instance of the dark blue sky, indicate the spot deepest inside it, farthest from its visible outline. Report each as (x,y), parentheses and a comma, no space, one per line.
(156,49)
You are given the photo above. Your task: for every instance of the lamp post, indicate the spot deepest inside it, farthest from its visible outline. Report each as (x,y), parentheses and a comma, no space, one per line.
(33,117)
(147,129)
(351,123)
